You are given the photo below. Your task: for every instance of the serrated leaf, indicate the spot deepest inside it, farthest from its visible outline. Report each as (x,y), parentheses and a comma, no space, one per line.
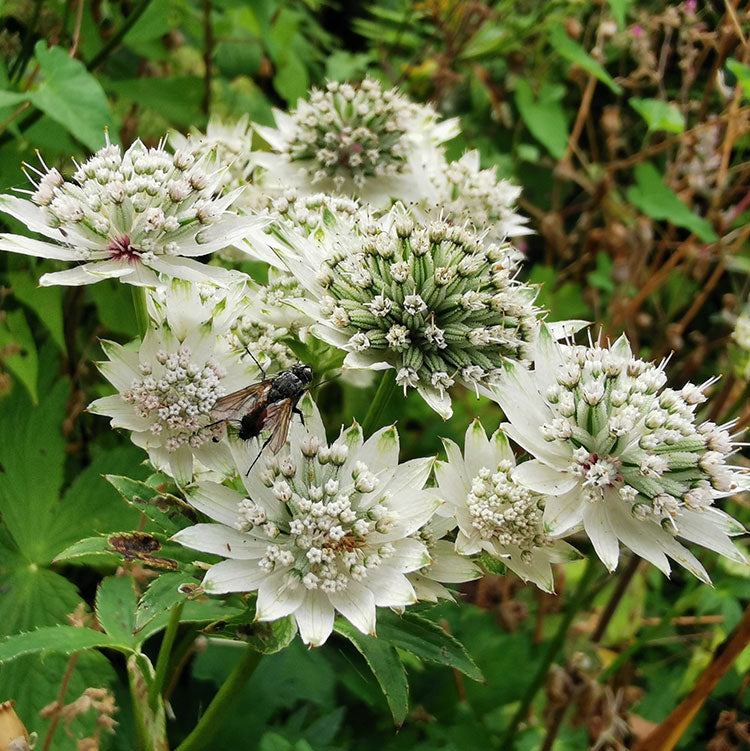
(657,200)
(72,97)
(177,98)
(89,551)
(659,115)
(20,355)
(115,607)
(426,640)
(544,115)
(162,595)
(574,53)
(56,639)
(165,510)
(385,664)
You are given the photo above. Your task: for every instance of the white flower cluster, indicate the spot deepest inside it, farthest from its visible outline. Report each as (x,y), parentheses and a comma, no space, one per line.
(129,216)
(169,387)
(620,454)
(322,528)
(430,300)
(227,145)
(494,513)
(356,139)
(464,192)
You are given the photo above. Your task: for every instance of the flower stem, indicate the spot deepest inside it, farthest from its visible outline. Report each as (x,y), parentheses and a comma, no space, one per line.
(165,651)
(553,647)
(210,722)
(386,389)
(141,312)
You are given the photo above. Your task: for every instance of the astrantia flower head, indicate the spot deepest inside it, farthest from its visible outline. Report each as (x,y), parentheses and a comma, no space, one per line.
(129,216)
(431,301)
(313,213)
(620,454)
(466,193)
(226,145)
(267,323)
(317,528)
(495,513)
(169,386)
(446,566)
(357,139)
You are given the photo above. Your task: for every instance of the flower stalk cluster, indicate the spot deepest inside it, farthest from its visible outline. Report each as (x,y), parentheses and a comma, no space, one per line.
(431,301)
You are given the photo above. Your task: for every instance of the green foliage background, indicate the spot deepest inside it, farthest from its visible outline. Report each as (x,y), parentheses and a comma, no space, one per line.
(620,238)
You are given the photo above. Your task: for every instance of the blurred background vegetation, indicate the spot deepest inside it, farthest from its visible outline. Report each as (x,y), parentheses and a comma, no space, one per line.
(626,124)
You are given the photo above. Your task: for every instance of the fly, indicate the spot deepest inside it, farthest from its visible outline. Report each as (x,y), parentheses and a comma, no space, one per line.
(266,405)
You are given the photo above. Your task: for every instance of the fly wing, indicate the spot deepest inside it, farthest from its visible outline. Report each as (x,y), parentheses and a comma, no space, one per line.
(233,406)
(278,416)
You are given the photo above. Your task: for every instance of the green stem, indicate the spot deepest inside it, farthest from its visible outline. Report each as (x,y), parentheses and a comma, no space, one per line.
(386,389)
(165,651)
(141,312)
(553,647)
(211,720)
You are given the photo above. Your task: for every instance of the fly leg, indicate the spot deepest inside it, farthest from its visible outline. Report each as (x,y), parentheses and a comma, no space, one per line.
(298,411)
(265,443)
(260,367)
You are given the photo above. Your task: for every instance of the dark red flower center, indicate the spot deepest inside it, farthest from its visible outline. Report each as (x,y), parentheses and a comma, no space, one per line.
(121,249)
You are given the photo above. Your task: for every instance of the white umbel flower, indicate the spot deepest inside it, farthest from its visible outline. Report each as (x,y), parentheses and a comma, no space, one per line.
(447,566)
(464,192)
(169,386)
(319,529)
(355,139)
(228,145)
(493,512)
(430,300)
(130,216)
(619,454)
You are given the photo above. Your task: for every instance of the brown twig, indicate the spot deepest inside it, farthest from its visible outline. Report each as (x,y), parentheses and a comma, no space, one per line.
(60,701)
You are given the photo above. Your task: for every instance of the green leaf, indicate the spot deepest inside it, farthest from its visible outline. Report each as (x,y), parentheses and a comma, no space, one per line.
(427,641)
(573,52)
(492,565)
(602,278)
(385,664)
(168,511)
(659,115)
(176,98)
(658,201)
(291,79)
(72,97)
(115,607)
(114,307)
(742,72)
(544,116)
(272,637)
(619,10)
(20,356)
(89,552)
(12,98)
(27,495)
(161,596)
(342,65)
(58,639)
(46,302)
(564,301)
(202,610)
